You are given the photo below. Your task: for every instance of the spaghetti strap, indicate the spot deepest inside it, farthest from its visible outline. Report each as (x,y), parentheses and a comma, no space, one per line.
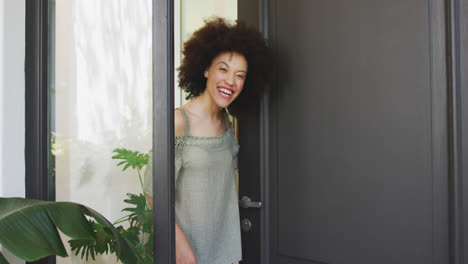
(187,127)
(226,120)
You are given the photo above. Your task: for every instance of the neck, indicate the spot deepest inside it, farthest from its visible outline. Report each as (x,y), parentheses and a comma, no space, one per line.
(204,106)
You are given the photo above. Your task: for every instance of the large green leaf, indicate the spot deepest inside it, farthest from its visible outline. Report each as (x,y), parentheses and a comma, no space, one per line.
(105,242)
(133,159)
(28,228)
(127,252)
(3,259)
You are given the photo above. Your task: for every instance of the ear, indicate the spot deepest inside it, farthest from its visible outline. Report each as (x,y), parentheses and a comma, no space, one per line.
(206,73)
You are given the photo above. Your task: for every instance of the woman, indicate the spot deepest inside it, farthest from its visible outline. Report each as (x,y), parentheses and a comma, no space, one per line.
(224,69)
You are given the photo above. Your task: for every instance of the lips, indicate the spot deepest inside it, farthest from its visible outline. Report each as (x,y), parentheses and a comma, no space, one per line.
(225,91)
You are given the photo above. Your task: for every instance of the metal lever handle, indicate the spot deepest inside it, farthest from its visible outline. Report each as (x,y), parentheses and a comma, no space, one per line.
(245,202)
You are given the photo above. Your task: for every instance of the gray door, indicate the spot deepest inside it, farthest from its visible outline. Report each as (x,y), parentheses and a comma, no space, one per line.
(358,133)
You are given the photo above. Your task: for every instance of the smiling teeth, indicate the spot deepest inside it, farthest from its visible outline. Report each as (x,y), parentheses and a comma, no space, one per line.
(225,91)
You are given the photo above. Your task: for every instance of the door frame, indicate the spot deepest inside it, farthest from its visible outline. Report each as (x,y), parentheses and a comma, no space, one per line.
(456,13)
(265,214)
(163,132)
(37,183)
(36,100)
(253,131)
(37,139)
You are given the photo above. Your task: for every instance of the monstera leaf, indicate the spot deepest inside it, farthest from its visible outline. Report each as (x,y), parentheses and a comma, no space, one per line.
(28,228)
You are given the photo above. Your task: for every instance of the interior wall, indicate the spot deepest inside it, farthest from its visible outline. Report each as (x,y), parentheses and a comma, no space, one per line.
(195,12)
(12,16)
(12,123)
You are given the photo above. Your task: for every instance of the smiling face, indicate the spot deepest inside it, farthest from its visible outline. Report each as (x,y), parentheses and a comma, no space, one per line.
(225,78)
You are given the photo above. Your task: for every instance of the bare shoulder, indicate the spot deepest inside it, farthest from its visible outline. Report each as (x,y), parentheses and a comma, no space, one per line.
(179,124)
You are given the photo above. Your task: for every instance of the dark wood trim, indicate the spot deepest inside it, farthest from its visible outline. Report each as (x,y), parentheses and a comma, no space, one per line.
(163,131)
(264,154)
(38,185)
(265,180)
(454,127)
(463,84)
(269,19)
(249,162)
(36,85)
(250,182)
(439,133)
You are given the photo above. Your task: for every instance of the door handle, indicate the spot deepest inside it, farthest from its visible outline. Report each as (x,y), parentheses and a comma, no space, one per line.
(245,202)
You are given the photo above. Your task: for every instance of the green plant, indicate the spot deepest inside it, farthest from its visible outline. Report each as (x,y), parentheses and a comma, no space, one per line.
(139,218)
(28,228)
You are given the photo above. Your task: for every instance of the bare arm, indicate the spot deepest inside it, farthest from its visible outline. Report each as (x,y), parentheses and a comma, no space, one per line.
(184,252)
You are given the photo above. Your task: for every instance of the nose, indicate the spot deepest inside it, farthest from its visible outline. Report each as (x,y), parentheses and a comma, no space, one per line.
(230,80)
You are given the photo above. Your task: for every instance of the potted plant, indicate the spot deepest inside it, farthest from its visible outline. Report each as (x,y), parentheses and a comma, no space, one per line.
(28,228)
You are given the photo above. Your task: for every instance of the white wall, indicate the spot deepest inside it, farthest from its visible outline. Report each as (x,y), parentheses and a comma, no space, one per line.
(12,16)
(12,30)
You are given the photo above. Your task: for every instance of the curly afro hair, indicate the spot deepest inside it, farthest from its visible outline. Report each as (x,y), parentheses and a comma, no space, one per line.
(217,36)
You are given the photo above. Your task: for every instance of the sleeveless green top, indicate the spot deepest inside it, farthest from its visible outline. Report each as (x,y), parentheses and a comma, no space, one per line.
(206,203)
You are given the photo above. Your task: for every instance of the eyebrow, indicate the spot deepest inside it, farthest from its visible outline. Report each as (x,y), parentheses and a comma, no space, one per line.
(227,65)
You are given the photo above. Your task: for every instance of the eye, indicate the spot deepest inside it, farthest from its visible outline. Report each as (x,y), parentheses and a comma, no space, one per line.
(223,69)
(240,77)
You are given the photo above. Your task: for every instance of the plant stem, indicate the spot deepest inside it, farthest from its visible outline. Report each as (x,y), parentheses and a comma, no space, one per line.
(142,189)
(121,220)
(141,182)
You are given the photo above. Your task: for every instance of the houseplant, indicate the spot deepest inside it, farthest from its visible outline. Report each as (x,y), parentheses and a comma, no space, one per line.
(28,228)
(139,231)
